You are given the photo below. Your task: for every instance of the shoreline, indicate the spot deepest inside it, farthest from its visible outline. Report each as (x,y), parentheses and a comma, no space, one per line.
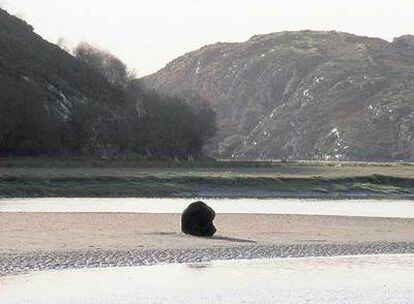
(188,186)
(214,179)
(18,264)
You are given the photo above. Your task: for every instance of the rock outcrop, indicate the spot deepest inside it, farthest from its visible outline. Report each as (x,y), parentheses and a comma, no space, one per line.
(197,219)
(303,95)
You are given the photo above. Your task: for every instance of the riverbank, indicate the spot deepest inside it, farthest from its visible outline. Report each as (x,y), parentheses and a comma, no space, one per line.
(42,241)
(32,178)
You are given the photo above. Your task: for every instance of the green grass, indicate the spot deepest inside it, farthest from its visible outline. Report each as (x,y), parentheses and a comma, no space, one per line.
(50,177)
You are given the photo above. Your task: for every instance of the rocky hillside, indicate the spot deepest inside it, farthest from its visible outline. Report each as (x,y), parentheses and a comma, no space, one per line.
(304,95)
(25,56)
(54,103)
(47,95)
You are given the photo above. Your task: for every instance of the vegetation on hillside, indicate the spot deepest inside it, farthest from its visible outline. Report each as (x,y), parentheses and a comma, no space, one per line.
(58,104)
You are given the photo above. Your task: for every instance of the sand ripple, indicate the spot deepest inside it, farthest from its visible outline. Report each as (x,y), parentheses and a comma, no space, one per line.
(43,260)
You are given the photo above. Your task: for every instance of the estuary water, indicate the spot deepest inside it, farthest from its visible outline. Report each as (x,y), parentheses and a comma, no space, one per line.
(334,280)
(367,208)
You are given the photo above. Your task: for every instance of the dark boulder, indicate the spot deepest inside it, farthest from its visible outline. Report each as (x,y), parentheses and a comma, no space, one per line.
(197,219)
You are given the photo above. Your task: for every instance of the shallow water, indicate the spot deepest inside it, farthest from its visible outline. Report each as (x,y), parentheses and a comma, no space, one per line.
(353,279)
(371,208)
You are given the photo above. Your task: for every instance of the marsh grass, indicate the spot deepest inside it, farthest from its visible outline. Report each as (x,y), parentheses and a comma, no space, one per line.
(51,177)
(81,182)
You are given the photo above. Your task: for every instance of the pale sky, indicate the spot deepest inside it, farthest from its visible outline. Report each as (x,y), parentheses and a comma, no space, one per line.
(147,34)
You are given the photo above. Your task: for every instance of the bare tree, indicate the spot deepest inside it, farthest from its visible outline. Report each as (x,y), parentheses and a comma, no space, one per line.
(108,65)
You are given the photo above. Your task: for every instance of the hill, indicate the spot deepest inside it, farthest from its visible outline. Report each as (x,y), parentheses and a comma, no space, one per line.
(47,94)
(303,95)
(54,103)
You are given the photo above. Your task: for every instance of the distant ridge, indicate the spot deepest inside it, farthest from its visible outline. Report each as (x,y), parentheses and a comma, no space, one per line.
(304,95)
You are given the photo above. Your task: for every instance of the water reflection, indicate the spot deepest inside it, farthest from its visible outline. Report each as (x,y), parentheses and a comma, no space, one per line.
(198,266)
(334,280)
(372,208)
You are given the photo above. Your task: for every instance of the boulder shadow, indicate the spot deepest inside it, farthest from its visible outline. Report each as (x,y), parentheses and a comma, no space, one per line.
(232,240)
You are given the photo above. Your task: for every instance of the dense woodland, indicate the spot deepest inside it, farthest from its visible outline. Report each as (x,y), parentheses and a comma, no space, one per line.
(87,102)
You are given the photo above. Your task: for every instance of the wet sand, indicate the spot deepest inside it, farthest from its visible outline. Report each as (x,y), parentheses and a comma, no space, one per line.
(39,241)
(324,280)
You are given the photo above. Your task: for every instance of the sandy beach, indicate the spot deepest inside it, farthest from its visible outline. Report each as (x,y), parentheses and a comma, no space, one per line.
(40,241)
(26,232)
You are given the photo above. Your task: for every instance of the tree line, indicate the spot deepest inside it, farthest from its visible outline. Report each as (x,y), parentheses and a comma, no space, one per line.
(128,120)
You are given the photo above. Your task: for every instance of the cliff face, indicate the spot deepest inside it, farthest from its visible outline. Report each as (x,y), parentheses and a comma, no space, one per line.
(304,95)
